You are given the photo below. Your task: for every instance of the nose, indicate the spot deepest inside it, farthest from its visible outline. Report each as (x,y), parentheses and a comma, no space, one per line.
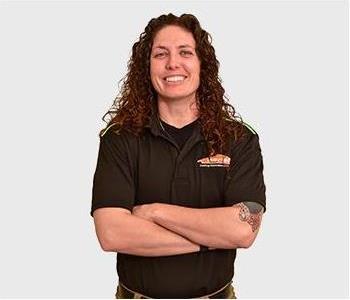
(172,62)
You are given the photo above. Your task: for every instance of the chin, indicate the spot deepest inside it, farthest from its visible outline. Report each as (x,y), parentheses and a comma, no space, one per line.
(176,95)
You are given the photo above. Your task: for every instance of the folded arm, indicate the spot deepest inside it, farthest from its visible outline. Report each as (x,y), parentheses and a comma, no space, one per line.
(120,231)
(220,227)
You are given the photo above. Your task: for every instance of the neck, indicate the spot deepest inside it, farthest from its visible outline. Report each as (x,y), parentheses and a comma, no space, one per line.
(178,113)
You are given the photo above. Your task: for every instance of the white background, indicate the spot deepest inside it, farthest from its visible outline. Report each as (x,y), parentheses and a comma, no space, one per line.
(284,65)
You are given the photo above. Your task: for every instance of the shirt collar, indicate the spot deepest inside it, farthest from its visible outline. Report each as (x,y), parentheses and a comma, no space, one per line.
(155,127)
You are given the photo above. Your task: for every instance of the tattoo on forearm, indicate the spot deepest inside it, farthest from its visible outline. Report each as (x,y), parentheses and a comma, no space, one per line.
(250,212)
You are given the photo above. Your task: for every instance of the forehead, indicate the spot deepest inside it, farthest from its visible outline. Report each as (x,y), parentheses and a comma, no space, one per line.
(173,35)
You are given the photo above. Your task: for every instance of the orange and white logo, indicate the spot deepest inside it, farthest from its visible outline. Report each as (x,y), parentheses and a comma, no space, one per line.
(218,160)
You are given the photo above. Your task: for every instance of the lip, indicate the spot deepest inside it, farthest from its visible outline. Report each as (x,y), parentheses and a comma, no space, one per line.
(170,75)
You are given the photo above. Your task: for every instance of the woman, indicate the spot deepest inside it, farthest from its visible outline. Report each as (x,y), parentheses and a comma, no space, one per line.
(178,185)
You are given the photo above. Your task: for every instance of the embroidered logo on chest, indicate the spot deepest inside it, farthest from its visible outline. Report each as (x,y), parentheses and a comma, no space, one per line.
(218,160)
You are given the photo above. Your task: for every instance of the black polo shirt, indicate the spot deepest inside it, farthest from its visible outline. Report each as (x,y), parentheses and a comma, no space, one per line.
(153,168)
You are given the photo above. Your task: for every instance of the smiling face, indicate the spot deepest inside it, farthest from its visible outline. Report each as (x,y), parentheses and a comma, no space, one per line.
(174,64)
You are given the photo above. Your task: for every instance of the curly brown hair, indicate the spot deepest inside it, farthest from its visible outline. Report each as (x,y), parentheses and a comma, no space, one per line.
(132,108)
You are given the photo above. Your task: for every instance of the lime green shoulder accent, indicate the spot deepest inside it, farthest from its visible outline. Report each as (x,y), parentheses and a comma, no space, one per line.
(250,128)
(245,124)
(107,128)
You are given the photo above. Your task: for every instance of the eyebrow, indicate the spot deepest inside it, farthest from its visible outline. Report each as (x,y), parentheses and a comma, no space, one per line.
(180,47)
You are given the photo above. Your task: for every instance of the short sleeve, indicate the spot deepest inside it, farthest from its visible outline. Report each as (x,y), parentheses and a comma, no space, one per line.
(113,183)
(244,181)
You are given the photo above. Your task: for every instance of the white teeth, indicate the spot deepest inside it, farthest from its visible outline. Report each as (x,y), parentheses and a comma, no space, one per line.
(175,78)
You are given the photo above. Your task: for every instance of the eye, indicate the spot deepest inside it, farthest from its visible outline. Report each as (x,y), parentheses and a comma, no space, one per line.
(187,53)
(160,54)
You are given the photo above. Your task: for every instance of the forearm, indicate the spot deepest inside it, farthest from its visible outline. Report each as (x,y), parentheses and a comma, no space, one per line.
(141,237)
(218,227)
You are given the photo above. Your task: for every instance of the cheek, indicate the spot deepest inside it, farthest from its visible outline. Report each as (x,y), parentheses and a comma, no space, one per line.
(155,71)
(196,75)
(194,68)
(152,74)
(155,67)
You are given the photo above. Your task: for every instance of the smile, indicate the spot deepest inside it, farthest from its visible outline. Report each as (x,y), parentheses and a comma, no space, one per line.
(175,79)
